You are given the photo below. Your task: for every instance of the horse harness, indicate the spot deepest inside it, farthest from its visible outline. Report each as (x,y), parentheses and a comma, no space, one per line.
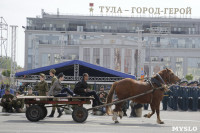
(157,82)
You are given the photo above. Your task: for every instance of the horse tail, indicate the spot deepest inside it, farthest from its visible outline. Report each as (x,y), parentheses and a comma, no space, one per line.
(110,98)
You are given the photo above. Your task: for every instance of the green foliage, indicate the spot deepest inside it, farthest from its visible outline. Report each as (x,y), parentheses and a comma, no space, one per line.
(189,77)
(5,63)
(6,73)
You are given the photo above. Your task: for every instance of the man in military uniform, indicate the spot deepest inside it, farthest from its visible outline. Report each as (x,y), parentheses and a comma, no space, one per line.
(175,97)
(180,92)
(6,101)
(42,86)
(191,86)
(18,104)
(185,98)
(165,100)
(52,73)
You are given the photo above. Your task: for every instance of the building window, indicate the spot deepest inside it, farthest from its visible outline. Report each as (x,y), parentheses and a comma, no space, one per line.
(154,58)
(96,56)
(29,60)
(158,39)
(179,67)
(80,28)
(106,57)
(194,67)
(56,58)
(86,54)
(46,59)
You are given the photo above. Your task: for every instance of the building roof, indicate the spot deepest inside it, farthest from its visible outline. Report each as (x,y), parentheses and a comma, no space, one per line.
(68,69)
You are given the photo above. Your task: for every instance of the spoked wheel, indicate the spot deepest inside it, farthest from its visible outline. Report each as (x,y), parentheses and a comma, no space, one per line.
(44,112)
(79,114)
(34,113)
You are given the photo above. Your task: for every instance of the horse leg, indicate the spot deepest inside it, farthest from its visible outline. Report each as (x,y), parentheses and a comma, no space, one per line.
(158,115)
(116,111)
(152,112)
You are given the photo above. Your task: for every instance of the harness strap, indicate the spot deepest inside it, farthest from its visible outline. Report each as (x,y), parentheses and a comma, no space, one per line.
(160,78)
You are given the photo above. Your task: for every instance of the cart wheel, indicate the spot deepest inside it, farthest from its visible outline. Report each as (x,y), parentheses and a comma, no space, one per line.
(79,114)
(34,113)
(44,112)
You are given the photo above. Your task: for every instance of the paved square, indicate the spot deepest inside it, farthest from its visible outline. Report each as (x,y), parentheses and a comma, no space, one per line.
(17,123)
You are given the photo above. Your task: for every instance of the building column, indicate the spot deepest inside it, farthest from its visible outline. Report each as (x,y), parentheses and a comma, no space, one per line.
(101,56)
(81,53)
(173,63)
(122,59)
(112,58)
(91,55)
(185,66)
(133,62)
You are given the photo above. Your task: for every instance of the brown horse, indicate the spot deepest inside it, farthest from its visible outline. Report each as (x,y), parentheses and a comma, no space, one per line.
(128,87)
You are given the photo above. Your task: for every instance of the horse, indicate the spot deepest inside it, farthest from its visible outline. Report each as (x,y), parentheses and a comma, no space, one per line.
(127,87)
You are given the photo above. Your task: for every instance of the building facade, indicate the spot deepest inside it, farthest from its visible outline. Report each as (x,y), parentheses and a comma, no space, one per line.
(126,44)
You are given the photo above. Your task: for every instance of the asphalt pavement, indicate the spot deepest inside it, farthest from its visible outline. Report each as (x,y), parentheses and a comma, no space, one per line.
(175,121)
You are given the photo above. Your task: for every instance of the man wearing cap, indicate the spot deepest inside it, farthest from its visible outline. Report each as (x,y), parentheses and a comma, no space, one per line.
(183,83)
(57,90)
(6,101)
(18,104)
(192,91)
(42,86)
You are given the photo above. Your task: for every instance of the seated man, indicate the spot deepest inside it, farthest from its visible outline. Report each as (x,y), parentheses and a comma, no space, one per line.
(18,104)
(58,91)
(81,88)
(6,101)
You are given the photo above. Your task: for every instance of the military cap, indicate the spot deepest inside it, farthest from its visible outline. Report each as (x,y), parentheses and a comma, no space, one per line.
(29,87)
(53,71)
(182,82)
(42,75)
(193,82)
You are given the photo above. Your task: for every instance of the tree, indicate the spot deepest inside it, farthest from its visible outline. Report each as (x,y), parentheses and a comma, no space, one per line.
(189,77)
(5,63)
(6,73)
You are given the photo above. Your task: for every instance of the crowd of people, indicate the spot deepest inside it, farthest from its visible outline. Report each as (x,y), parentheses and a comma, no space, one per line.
(10,103)
(183,96)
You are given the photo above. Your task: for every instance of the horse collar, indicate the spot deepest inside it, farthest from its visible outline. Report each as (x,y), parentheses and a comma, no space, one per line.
(153,80)
(160,78)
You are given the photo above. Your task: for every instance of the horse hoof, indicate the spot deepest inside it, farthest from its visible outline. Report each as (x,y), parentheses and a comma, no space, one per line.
(162,122)
(146,115)
(116,122)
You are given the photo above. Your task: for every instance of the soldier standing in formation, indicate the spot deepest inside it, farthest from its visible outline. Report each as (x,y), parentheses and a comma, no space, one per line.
(6,101)
(52,73)
(182,95)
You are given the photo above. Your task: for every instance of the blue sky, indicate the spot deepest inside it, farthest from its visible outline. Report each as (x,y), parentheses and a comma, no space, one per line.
(16,11)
